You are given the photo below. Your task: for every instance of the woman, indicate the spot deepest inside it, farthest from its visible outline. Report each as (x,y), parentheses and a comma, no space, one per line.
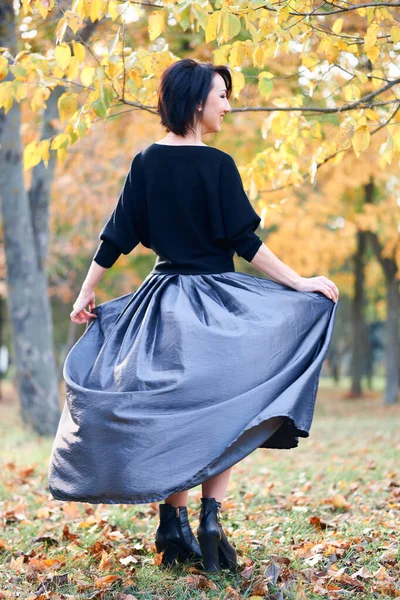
(173,384)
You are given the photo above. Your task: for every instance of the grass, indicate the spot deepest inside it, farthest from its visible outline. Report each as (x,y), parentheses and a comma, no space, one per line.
(318,521)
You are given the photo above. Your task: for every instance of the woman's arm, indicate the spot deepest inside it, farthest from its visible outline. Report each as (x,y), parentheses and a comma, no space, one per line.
(94,274)
(267,262)
(118,236)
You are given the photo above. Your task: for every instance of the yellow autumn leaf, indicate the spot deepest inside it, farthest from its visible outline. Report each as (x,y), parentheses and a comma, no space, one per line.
(3,67)
(58,141)
(38,99)
(6,95)
(396,140)
(213,26)
(97,10)
(386,150)
(353,48)
(344,136)
(113,9)
(20,90)
(200,15)
(373,53)
(361,139)
(44,8)
(44,149)
(372,115)
(258,57)
(310,61)
(62,54)
(72,71)
(67,105)
(156,24)
(87,75)
(237,55)
(91,520)
(254,32)
(395,34)
(337,26)
(370,11)
(32,155)
(60,30)
(371,35)
(283,14)
(332,50)
(316,131)
(79,50)
(351,92)
(340,501)
(221,54)
(238,83)
(74,21)
(230,25)
(134,75)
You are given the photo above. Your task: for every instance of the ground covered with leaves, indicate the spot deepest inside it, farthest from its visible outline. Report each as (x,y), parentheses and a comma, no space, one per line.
(318,521)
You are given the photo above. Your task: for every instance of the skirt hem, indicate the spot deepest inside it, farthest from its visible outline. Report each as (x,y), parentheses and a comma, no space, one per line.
(194,481)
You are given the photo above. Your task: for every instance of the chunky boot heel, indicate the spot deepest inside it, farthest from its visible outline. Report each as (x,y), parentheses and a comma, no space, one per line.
(172,554)
(175,538)
(210,552)
(217,552)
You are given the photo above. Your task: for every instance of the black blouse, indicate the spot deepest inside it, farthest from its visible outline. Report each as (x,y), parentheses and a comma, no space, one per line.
(186,203)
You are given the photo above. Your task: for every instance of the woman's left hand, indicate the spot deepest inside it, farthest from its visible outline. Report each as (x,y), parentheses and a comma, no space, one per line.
(80,314)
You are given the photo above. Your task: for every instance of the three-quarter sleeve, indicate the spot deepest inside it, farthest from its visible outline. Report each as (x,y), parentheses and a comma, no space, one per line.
(238,218)
(120,234)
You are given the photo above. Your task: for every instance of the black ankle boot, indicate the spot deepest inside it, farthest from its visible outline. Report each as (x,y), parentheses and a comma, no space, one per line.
(175,537)
(217,552)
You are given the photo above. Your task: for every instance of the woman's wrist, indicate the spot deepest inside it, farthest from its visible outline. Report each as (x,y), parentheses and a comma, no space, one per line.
(93,276)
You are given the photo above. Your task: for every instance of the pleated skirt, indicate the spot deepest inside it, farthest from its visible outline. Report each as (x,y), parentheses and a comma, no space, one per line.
(184,377)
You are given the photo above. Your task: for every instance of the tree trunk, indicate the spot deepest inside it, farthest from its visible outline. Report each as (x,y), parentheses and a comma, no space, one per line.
(358,323)
(27,298)
(392,340)
(369,363)
(392,354)
(42,178)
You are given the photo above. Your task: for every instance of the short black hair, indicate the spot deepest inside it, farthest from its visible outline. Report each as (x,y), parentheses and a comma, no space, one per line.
(182,87)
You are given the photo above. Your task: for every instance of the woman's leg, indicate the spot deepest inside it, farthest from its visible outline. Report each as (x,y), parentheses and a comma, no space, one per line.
(178,499)
(212,488)
(216,486)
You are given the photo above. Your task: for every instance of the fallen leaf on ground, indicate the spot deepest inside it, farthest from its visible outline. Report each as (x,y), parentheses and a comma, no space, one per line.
(103,582)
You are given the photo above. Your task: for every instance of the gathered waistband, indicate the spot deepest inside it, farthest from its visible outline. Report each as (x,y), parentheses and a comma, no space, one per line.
(186,271)
(224,265)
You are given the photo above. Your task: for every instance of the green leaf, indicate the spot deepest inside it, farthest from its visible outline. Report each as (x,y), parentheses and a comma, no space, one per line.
(99,109)
(265,87)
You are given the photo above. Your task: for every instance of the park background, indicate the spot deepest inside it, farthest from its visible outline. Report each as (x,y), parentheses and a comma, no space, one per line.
(315,133)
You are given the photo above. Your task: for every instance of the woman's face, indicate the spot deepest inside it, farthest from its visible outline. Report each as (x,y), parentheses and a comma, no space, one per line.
(216,106)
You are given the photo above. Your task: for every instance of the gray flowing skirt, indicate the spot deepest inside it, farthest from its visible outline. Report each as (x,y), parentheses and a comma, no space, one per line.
(184,377)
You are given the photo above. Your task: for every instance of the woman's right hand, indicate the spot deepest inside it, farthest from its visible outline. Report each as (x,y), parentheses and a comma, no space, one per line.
(80,314)
(318,284)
